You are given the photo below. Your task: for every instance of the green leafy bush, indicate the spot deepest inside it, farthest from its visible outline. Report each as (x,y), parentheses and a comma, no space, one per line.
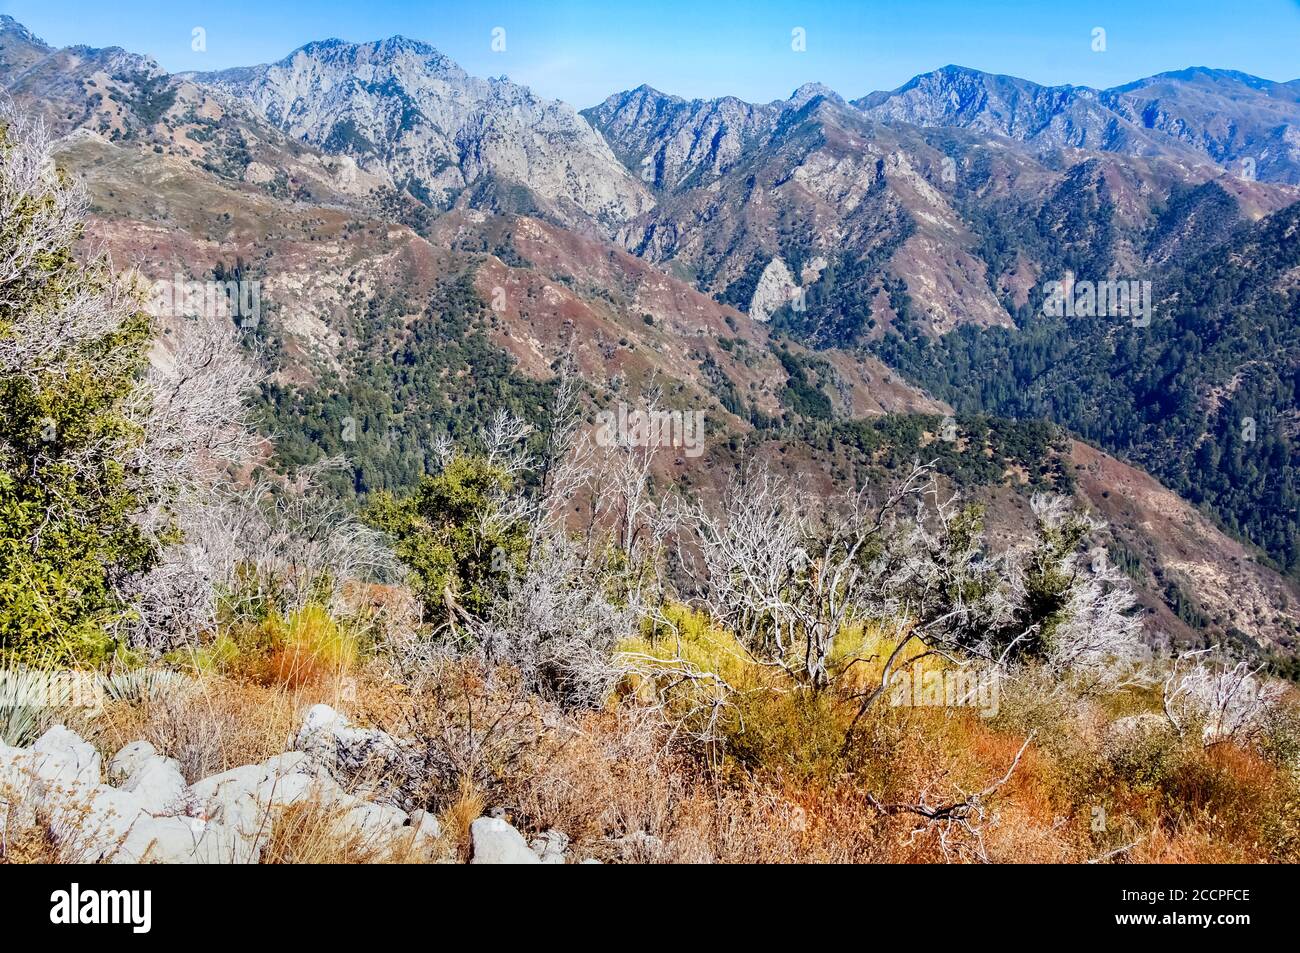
(455,536)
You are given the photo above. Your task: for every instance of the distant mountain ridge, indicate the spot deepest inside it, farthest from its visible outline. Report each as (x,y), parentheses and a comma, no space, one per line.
(755,257)
(401,107)
(1224,115)
(898,211)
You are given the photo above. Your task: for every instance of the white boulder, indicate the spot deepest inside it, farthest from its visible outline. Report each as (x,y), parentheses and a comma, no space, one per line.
(155,780)
(551,846)
(496,842)
(60,756)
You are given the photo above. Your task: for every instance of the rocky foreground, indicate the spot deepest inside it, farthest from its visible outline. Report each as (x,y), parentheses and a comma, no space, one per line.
(141,810)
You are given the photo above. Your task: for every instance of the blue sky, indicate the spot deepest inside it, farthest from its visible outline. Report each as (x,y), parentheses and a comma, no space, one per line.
(583,50)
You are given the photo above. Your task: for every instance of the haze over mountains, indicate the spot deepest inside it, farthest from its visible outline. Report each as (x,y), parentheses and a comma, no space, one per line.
(1223,115)
(791,267)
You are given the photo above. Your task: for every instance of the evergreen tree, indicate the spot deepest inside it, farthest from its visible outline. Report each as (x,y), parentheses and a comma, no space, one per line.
(73,349)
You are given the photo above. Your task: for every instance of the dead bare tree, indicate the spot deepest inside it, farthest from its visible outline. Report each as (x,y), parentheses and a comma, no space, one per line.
(1034,603)
(554,619)
(621,486)
(193,412)
(43,214)
(959,822)
(301,540)
(556,625)
(565,464)
(1222,702)
(1095,637)
(788,574)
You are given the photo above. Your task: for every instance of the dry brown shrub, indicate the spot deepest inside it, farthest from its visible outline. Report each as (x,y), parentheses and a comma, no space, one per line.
(465,726)
(310,833)
(626,788)
(216,723)
(459,815)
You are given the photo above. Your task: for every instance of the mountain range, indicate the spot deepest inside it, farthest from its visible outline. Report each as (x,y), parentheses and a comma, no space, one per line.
(827,278)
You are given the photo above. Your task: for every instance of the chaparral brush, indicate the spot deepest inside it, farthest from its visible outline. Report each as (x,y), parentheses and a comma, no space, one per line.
(405,460)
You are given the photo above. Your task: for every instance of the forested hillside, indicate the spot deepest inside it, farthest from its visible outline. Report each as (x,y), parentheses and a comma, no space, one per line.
(1205,397)
(399,466)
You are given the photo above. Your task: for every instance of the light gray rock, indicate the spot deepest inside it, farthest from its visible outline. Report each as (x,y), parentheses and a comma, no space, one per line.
(550,846)
(240,805)
(245,801)
(426,826)
(222,786)
(17,807)
(159,783)
(168,840)
(372,823)
(87,819)
(153,817)
(245,796)
(90,822)
(237,836)
(421,837)
(225,844)
(332,742)
(279,792)
(57,781)
(496,842)
(775,289)
(291,762)
(61,756)
(128,758)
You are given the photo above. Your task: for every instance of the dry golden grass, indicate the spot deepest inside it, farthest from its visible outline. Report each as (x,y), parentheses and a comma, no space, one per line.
(611,774)
(459,815)
(214,722)
(309,833)
(777,786)
(212,726)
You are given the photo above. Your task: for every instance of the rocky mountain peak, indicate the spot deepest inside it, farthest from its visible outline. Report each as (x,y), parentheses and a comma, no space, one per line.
(114,60)
(959,96)
(12,29)
(379,54)
(810,91)
(403,109)
(1204,75)
(1180,115)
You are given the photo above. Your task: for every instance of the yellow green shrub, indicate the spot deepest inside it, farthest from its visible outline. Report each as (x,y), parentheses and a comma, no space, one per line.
(305,647)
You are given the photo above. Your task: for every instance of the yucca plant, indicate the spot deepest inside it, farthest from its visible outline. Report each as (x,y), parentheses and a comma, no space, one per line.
(137,685)
(27,698)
